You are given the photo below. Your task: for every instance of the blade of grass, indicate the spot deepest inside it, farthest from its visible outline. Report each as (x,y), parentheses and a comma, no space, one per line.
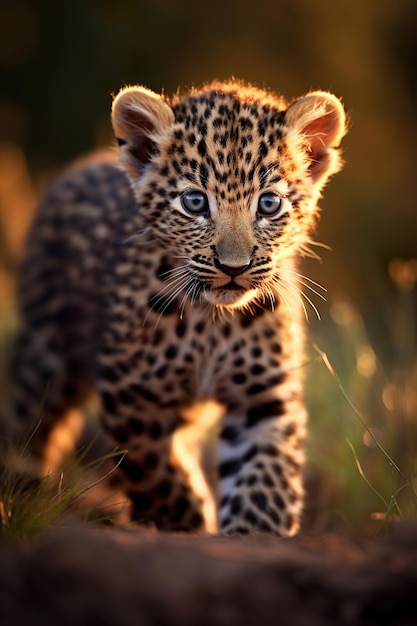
(362,473)
(103,478)
(329,366)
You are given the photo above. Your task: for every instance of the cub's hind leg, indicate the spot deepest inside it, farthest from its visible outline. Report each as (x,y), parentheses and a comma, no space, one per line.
(47,388)
(61,305)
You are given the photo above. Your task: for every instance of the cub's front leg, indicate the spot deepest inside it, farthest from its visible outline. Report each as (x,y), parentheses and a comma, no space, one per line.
(261,451)
(160,472)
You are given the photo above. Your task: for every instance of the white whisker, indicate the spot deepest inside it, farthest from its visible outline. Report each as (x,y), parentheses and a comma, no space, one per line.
(190,290)
(319,244)
(279,289)
(302,280)
(177,284)
(182,305)
(138,235)
(299,294)
(307,251)
(310,280)
(194,292)
(291,289)
(168,286)
(269,296)
(311,303)
(171,298)
(176,271)
(317,293)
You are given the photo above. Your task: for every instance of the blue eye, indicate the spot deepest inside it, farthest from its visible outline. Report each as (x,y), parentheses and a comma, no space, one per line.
(195,203)
(269,205)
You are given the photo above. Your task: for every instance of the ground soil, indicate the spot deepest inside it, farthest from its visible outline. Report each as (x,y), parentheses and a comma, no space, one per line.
(100,577)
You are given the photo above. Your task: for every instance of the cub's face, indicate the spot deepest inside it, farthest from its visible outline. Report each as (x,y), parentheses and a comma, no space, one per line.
(227,180)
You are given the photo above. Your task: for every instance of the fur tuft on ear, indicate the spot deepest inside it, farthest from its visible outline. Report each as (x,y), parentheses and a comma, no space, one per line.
(139,116)
(319,120)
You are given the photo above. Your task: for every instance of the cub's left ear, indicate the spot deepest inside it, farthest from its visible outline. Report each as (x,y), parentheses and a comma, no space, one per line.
(319,121)
(140,118)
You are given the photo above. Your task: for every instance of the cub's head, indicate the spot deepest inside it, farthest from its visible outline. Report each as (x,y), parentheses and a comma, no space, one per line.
(228,179)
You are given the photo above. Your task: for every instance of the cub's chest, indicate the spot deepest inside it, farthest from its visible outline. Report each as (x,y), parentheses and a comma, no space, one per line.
(177,356)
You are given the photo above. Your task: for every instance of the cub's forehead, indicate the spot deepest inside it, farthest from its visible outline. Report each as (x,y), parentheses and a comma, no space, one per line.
(212,111)
(227,139)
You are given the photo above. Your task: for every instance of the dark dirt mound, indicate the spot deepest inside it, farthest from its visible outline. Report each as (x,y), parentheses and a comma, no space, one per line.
(134,578)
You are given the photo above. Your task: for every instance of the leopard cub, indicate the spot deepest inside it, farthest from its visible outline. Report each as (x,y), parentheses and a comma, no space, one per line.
(169,284)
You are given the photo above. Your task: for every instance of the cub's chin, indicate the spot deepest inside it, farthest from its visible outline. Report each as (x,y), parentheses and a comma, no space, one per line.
(231,298)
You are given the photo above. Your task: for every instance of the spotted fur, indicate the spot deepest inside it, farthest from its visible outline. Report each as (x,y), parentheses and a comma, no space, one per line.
(177,296)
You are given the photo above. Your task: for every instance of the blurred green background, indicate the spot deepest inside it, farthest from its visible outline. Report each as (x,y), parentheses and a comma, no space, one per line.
(60,63)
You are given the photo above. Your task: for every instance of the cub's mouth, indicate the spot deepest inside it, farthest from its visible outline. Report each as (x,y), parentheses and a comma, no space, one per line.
(230,295)
(232,286)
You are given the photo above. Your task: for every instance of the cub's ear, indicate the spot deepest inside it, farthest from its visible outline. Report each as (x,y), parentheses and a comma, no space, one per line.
(139,118)
(319,121)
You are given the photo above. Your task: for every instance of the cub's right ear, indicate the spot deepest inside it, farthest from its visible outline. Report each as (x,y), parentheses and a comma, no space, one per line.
(139,117)
(318,120)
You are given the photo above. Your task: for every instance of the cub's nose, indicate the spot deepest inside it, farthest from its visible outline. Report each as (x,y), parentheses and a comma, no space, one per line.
(231,270)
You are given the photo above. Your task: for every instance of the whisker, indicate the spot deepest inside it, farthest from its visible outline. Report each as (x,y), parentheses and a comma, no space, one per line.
(181,256)
(287,304)
(305,248)
(299,294)
(173,282)
(177,284)
(183,269)
(278,287)
(194,292)
(191,289)
(182,305)
(317,293)
(170,300)
(289,287)
(269,296)
(319,244)
(311,303)
(138,235)
(310,280)
(301,281)
(296,293)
